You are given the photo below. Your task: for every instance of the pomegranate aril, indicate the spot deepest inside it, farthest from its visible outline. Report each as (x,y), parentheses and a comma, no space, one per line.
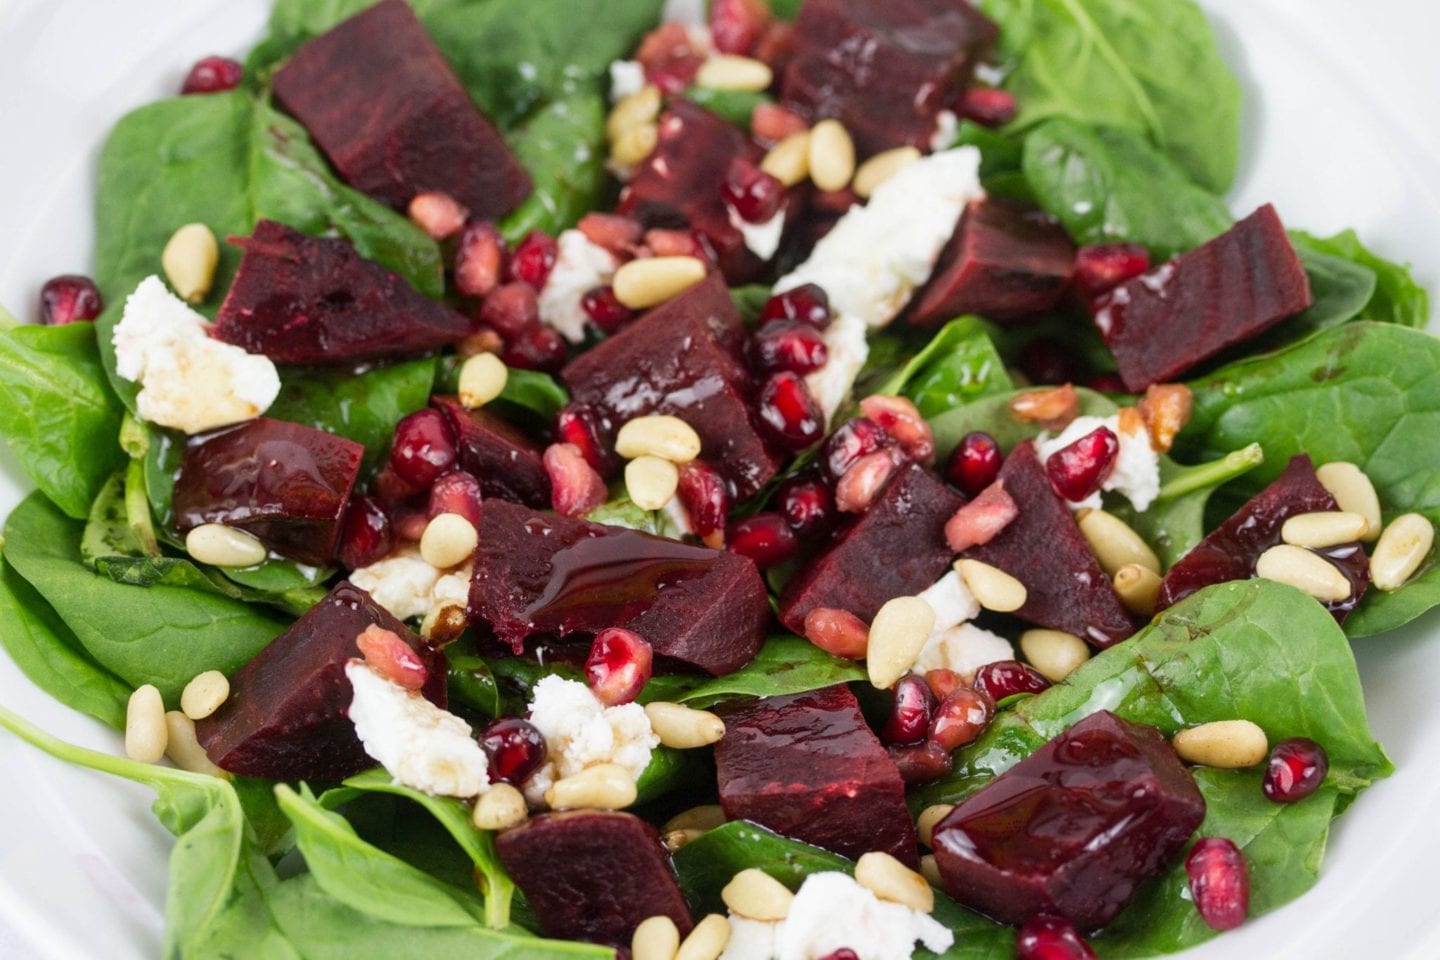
(736,25)
(807,504)
(515,748)
(674,76)
(943,682)
(676,243)
(1296,769)
(901,421)
(982,519)
(365,534)
(1051,938)
(755,195)
(1102,267)
(479,259)
(1006,678)
(1107,383)
(583,427)
(988,106)
(789,412)
(424,448)
(538,348)
(438,214)
(705,496)
(533,259)
(575,487)
(807,303)
(511,309)
(862,483)
(838,632)
(922,762)
(1078,469)
(669,41)
(213,75)
(620,235)
(770,123)
(856,438)
(1048,362)
(391,657)
(1219,882)
(605,310)
(69,298)
(409,522)
(619,666)
(787,345)
(961,718)
(456,492)
(390,489)
(910,713)
(765,538)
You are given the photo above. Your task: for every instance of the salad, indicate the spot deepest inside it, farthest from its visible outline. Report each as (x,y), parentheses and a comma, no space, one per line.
(819,480)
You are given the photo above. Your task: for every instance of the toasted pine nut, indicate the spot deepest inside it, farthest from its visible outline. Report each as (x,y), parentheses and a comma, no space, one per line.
(222,546)
(1138,588)
(639,108)
(889,879)
(1166,409)
(1052,407)
(146,734)
(1324,528)
(1403,547)
(499,808)
(1114,543)
(1304,570)
(994,588)
(203,695)
(707,941)
(930,870)
(897,635)
(681,727)
(605,786)
(649,282)
(729,72)
(705,817)
(1228,744)
(651,482)
(832,155)
(929,817)
(482,379)
(184,750)
(880,168)
(755,894)
(658,435)
(448,541)
(635,144)
(1055,653)
(438,214)
(657,938)
(789,160)
(1354,493)
(189,260)
(676,839)
(444,624)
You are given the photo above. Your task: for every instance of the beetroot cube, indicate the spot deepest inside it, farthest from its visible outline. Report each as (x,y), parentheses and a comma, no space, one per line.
(1074,828)
(593,875)
(508,464)
(808,767)
(1044,549)
(314,300)
(1006,260)
(285,483)
(380,100)
(285,718)
(1235,287)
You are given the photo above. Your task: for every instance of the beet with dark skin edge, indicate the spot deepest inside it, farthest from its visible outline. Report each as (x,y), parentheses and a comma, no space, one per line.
(508,464)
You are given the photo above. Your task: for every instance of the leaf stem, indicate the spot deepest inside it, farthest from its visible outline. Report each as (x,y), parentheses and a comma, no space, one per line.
(1206,475)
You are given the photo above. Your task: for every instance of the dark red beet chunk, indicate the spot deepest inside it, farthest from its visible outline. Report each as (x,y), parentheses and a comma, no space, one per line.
(1006,260)
(539,574)
(287,484)
(1232,549)
(508,464)
(808,767)
(1065,587)
(1231,289)
(593,875)
(388,111)
(314,300)
(286,718)
(1074,828)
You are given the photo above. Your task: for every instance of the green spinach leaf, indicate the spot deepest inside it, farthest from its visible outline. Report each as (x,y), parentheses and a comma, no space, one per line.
(563,148)
(108,531)
(784,665)
(363,408)
(533,391)
(734,105)
(1397,298)
(959,365)
(7,320)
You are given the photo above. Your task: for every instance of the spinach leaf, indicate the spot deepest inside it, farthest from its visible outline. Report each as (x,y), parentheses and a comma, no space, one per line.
(563,148)
(539,393)
(749,300)
(471,681)
(285,585)
(959,364)
(991,413)
(1341,288)
(622,512)
(669,769)
(784,665)
(364,408)
(108,532)
(734,105)
(998,153)
(1397,297)
(7,320)
(1175,522)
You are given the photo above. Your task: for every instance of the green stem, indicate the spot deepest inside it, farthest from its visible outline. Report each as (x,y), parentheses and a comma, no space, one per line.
(1207,475)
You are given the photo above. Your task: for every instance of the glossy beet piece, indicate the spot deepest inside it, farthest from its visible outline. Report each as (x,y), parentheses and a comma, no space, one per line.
(381,101)
(314,300)
(1125,802)
(288,485)
(1065,587)
(1232,549)
(1233,288)
(507,463)
(593,875)
(808,767)
(1006,260)
(543,575)
(1296,769)
(286,718)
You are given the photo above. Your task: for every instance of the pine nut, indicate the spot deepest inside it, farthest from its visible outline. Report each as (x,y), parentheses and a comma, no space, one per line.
(657,938)
(222,546)
(880,168)
(755,894)
(638,109)
(832,155)
(448,541)
(657,435)
(929,817)
(1353,492)
(1303,570)
(651,482)
(889,879)
(146,733)
(730,72)
(605,786)
(789,160)
(707,941)
(930,870)
(1055,653)
(897,635)
(444,624)
(635,144)
(681,727)
(642,284)
(1403,547)
(676,839)
(705,817)
(1052,407)
(1138,589)
(1325,528)
(499,808)
(992,587)
(183,748)
(1227,744)
(204,695)
(482,379)
(189,260)
(1114,543)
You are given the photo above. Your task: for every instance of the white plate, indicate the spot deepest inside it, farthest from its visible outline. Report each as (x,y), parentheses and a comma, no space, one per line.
(1341,131)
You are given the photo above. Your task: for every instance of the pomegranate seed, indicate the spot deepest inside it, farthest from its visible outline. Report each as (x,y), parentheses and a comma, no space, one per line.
(856,438)
(675,243)
(922,762)
(365,534)
(1102,267)
(900,419)
(537,348)
(1077,470)
(736,25)
(844,953)
(789,411)
(1297,768)
(943,682)
(770,123)
(456,492)
(807,504)
(582,426)
(390,489)
(961,718)
(674,76)
(424,448)
(776,45)
(981,520)
(392,657)
(479,259)
(620,235)
(705,495)
(1219,882)
(765,538)
(533,259)
(834,202)
(911,712)
(1107,383)
(482,340)
(668,41)
(788,345)
(605,309)
(807,303)
(838,632)
(618,666)
(1007,678)
(438,214)
(1051,938)
(69,298)
(575,487)
(1165,411)
(975,463)
(409,522)
(988,106)
(863,482)
(755,195)
(511,309)
(515,747)
(1046,361)
(1052,409)
(213,75)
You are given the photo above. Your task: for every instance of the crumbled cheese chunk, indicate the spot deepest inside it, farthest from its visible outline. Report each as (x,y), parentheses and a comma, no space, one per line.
(963,648)
(847,352)
(404,584)
(947,124)
(762,239)
(1137,466)
(580,266)
(626,77)
(581,732)
(951,600)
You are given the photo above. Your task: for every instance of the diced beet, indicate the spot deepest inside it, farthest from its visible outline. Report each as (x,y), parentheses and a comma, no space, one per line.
(683,358)
(1044,549)
(1233,288)
(285,483)
(1074,828)
(544,575)
(314,300)
(808,767)
(895,548)
(286,716)
(1007,260)
(1232,549)
(508,464)
(593,875)
(380,100)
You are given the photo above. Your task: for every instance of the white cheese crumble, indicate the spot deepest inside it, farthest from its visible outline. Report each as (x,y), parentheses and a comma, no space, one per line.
(627,77)
(1137,466)
(762,239)
(947,124)
(420,745)
(951,600)
(580,266)
(581,732)
(963,648)
(188,381)
(404,584)
(848,351)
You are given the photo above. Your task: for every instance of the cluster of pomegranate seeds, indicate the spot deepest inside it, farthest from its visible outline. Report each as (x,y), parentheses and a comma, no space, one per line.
(69,298)
(619,666)
(582,426)
(392,657)
(755,195)
(922,762)
(910,714)
(365,534)
(424,448)
(515,749)
(737,25)
(1051,938)
(1219,882)
(456,492)
(856,438)
(807,504)
(213,75)
(787,345)
(1296,769)
(838,632)
(480,259)
(1047,361)
(669,58)
(808,302)
(1006,678)
(575,487)
(706,497)
(1102,267)
(534,258)
(765,538)
(988,106)
(961,718)
(789,412)
(1078,469)
(605,310)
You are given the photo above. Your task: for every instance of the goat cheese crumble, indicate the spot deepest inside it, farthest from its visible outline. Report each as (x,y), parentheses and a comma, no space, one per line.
(582,732)
(955,643)
(626,77)
(947,124)
(1137,466)
(762,239)
(580,266)
(408,587)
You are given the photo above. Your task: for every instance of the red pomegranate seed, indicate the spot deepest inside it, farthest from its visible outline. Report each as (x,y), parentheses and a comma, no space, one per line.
(392,657)
(515,748)
(755,194)
(788,345)
(511,309)
(537,348)
(1219,882)
(438,214)
(424,448)
(390,489)
(409,522)
(479,259)
(910,714)
(736,25)
(1006,678)
(669,58)
(582,426)
(922,762)
(482,339)
(618,666)
(675,243)
(789,411)
(844,953)
(943,682)
(1102,267)
(856,438)
(705,495)
(1046,361)
(776,45)
(807,303)
(365,534)
(1077,470)
(988,106)
(1107,383)
(1297,768)
(961,718)
(765,538)
(213,75)
(1051,938)
(575,487)
(456,492)
(620,235)
(863,482)
(807,504)
(981,520)
(674,76)
(834,202)
(838,632)
(605,309)
(901,420)
(69,298)
(533,259)
(770,123)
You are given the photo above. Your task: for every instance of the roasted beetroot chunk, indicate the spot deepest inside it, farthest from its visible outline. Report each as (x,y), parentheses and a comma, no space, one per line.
(508,464)
(1044,549)
(286,718)
(1222,293)
(1006,260)
(1074,828)
(388,111)
(683,358)
(896,548)
(807,766)
(285,483)
(593,875)
(314,300)
(1232,549)
(545,575)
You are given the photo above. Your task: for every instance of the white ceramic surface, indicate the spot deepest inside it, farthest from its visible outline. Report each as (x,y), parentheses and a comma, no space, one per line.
(1342,129)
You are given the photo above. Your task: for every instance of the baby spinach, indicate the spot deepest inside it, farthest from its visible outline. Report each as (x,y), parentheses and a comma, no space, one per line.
(108,531)
(999,154)
(991,413)
(471,682)
(533,391)
(785,664)
(563,148)
(959,364)
(7,320)
(1397,298)
(734,105)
